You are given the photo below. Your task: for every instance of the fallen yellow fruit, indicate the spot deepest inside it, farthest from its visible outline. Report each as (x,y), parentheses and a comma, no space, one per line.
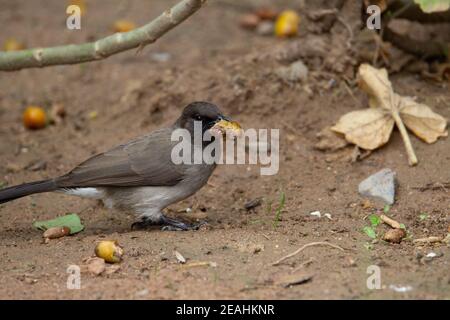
(13,45)
(287,24)
(109,250)
(123,26)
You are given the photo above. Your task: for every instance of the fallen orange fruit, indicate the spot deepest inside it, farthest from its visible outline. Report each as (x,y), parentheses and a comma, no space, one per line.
(34,118)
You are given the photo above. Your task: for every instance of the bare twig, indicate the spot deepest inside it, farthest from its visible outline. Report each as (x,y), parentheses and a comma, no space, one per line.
(394,107)
(394,224)
(349,29)
(431,239)
(103,48)
(303,248)
(303,264)
(434,186)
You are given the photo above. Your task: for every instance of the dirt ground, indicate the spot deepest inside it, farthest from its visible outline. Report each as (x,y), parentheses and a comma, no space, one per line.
(211,58)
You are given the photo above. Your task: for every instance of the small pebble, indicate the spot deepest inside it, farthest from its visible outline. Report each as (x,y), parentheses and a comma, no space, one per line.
(265,28)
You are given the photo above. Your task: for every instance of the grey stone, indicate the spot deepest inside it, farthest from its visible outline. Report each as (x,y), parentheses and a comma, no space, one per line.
(265,28)
(379,186)
(295,72)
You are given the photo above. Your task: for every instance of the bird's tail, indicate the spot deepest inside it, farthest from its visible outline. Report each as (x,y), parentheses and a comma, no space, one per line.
(26,189)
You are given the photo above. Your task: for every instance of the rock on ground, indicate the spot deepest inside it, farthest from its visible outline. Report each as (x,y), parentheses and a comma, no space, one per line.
(379,186)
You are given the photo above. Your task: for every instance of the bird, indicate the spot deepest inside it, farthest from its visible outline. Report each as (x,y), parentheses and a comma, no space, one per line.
(140,175)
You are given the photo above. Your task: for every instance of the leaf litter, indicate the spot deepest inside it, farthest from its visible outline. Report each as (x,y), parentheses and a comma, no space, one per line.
(371,128)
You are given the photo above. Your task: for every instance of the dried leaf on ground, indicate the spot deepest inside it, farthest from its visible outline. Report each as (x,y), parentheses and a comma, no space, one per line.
(179,256)
(95,266)
(420,119)
(329,140)
(371,128)
(368,129)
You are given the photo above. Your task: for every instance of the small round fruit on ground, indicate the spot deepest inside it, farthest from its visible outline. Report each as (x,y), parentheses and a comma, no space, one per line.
(109,250)
(123,26)
(13,45)
(287,23)
(34,118)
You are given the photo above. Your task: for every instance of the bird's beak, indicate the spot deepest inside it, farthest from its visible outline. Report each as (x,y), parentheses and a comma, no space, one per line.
(226,126)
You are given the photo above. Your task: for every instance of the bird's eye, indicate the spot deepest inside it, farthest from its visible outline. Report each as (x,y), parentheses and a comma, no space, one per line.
(198,118)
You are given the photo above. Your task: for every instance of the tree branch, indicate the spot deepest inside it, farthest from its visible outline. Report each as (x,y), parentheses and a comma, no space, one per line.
(103,48)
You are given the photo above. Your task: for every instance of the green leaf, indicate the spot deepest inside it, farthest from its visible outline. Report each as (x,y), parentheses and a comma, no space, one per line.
(423,216)
(72,221)
(429,6)
(386,209)
(370,232)
(374,220)
(402,226)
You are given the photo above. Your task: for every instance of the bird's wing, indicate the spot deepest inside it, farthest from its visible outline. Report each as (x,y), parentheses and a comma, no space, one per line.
(145,161)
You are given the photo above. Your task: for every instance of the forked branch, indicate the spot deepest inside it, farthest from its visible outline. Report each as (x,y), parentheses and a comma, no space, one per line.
(102,48)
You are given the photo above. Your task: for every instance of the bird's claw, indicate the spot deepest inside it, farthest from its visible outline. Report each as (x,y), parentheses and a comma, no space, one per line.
(168,224)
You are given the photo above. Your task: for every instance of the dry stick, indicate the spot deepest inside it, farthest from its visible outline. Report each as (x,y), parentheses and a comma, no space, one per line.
(394,108)
(394,224)
(412,159)
(303,248)
(431,239)
(103,48)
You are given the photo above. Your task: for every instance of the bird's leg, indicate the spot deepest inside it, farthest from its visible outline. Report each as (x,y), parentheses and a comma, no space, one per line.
(168,224)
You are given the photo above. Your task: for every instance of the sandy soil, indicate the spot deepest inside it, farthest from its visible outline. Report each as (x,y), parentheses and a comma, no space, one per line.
(213,59)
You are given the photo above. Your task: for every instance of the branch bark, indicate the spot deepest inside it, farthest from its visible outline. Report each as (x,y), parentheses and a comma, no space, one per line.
(102,48)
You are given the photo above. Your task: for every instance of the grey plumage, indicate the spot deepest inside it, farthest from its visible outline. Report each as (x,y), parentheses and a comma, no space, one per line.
(144,161)
(138,175)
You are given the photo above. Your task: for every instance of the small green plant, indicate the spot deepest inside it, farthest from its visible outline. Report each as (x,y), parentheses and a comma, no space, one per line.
(279,209)
(374,220)
(423,216)
(370,232)
(257,221)
(386,209)
(269,207)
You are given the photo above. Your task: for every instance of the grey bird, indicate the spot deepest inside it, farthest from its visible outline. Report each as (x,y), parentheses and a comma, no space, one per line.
(139,175)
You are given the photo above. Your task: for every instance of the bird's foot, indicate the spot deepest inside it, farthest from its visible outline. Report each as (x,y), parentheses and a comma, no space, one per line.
(168,224)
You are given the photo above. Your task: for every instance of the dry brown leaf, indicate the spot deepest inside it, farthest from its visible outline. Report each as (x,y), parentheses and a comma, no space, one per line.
(330,140)
(376,84)
(371,128)
(420,119)
(179,257)
(368,129)
(95,265)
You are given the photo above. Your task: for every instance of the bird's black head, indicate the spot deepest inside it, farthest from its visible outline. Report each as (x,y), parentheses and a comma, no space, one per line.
(206,113)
